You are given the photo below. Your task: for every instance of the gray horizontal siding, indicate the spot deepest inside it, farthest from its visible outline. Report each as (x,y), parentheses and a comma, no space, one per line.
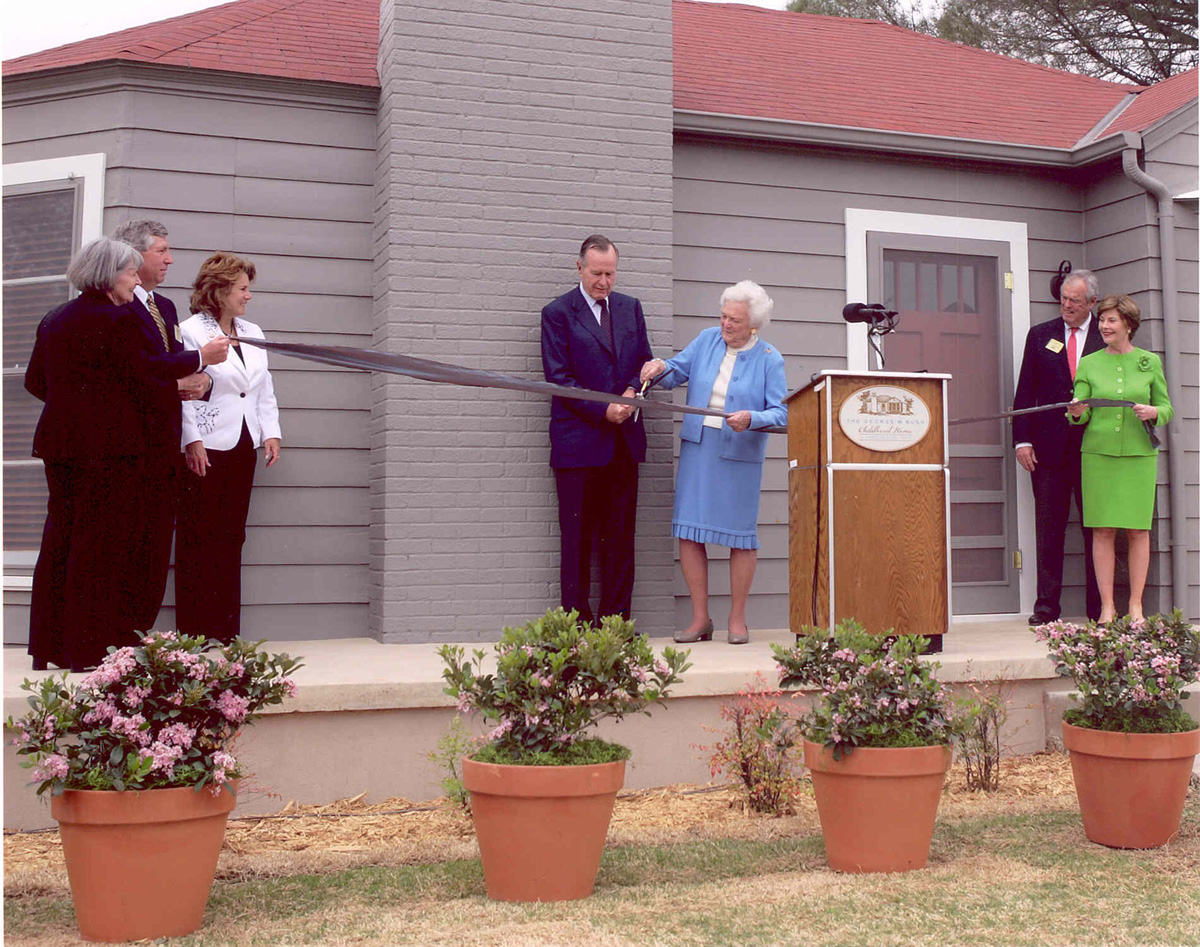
(286,180)
(775,214)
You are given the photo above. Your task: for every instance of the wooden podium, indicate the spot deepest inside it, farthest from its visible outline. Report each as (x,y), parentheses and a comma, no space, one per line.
(868,503)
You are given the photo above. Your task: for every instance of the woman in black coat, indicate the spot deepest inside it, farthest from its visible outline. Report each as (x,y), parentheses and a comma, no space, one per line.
(88,367)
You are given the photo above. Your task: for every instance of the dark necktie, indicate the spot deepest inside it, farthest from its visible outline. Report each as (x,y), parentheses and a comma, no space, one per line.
(158,319)
(606,329)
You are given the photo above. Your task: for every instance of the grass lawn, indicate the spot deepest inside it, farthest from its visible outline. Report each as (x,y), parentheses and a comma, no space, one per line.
(1007,870)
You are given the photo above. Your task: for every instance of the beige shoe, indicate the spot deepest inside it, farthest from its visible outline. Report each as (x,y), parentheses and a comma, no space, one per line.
(703,634)
(739,637)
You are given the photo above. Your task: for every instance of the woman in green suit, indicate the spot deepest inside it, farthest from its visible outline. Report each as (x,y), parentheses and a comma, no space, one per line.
(1120,465)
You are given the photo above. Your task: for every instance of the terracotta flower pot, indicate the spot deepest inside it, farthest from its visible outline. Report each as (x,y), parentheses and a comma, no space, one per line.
(1131,786)
(541,829)
(877,806)
(141,864)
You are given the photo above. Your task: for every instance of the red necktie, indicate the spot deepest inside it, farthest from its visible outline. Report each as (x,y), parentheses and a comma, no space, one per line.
(1072,352)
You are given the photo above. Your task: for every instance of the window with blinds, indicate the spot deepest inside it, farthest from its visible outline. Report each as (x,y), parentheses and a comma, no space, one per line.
(41,233)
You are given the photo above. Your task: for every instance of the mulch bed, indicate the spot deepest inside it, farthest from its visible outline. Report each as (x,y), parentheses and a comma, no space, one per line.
(352,831)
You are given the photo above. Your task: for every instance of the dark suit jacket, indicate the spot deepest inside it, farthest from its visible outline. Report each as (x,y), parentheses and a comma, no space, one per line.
(574,354)
(87,368)
(163,418)
(1046,379)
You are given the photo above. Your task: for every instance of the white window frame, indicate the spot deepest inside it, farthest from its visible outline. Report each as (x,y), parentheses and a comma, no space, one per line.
(88,170)
(859,222)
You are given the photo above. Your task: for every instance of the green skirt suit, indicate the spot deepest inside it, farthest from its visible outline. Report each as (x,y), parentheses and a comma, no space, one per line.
(1120,465)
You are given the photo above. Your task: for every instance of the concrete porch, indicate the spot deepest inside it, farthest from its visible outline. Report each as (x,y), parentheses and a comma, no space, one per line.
(367,715)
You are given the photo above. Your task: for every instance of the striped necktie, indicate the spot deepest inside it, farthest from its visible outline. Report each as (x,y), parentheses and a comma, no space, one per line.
(158,320)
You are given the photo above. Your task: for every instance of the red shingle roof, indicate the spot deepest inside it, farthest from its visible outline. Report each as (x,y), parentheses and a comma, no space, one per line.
(329,40)
(744,60)
(729,59)
(1158,101)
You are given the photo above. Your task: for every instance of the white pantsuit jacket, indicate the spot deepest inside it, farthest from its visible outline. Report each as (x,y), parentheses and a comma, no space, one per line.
(241,391)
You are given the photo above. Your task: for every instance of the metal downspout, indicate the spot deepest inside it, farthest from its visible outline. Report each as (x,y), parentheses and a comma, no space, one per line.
(1176,477)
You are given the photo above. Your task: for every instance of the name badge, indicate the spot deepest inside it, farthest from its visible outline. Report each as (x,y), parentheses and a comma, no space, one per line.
(1055,346)
(178,334)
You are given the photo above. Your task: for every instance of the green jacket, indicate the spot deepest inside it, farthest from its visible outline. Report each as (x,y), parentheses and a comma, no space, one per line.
(1136,376)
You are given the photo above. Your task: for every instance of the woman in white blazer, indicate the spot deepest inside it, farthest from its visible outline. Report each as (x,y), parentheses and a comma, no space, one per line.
(220,438)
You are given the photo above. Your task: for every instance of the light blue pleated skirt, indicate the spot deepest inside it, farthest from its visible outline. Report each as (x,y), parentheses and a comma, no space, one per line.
(716,500)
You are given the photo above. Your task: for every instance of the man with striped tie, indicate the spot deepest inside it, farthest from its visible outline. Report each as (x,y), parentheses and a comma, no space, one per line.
(178,375)
(1048,447)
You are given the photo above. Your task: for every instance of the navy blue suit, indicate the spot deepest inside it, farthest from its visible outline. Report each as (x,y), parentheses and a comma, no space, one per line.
(1057,479)
(162,457)
(595,461)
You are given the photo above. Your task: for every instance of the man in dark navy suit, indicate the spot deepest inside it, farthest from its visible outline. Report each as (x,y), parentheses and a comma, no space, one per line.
(178,375)
(1048,446)
(595,338)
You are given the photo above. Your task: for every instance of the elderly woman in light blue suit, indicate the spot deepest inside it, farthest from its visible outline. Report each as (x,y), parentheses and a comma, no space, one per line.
(731,369)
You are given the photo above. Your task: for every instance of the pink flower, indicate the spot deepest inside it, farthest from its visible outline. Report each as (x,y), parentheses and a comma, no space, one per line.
(54,766)
(289,687)
(233,707)
(177,734)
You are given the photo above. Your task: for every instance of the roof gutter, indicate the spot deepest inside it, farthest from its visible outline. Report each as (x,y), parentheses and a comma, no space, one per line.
(1170,298)
(874,139)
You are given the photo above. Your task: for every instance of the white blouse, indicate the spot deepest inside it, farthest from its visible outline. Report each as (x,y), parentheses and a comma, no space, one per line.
(720,387)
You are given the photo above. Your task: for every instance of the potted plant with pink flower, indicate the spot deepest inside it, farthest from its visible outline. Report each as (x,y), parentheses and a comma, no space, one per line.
(138,760)
(542,789)
(1132,744)
(877,742)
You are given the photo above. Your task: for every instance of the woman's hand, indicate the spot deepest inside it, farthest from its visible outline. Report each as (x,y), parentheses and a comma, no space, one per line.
(1077,408)
(739,420)
(271,448)
(652,369)
(196,457)
(1145,412)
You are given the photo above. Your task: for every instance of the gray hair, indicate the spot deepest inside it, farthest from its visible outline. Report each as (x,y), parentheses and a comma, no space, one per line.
(1088,278)
(758,303)
(597,242)
(140,234)
(96,265)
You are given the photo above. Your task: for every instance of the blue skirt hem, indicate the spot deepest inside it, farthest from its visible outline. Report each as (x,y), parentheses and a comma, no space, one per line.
(700,534)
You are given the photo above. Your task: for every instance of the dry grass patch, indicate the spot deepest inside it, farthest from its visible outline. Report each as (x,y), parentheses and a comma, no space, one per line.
(685,866)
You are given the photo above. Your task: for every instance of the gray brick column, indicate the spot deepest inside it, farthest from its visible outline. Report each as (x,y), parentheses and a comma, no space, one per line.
(508,131)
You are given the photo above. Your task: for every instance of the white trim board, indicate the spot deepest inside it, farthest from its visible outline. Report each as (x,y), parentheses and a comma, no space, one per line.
(859,222)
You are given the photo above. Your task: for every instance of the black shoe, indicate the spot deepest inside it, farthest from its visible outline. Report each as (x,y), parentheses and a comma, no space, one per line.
(1036,619)
(83,668)
(39,665)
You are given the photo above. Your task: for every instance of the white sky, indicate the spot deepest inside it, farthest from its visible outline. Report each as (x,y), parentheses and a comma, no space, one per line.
(27,27)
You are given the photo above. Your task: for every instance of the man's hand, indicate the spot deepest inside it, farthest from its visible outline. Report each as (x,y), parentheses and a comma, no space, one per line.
(619,413)
(215,351)
(1027,458)
(194,387)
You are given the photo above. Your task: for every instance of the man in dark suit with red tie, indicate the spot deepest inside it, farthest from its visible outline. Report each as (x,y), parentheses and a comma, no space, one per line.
(178,375)
(1048,446)
(595,338)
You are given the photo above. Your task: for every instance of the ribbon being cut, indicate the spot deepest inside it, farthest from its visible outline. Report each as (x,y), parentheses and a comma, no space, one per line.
(428,370)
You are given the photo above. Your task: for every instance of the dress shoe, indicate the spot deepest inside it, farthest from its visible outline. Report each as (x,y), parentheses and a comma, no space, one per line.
(689,637)
(39,664)
(1036,619)
(739,637)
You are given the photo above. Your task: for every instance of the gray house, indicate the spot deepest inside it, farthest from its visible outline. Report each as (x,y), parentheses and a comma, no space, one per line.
(416,176)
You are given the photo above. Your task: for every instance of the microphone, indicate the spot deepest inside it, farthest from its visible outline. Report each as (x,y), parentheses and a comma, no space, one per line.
(870,313)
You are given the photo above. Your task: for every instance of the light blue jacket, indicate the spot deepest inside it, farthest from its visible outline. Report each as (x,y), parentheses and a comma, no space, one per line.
(758,385)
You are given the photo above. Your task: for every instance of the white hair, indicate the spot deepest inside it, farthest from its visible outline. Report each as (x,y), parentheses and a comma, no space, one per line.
(758,303)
